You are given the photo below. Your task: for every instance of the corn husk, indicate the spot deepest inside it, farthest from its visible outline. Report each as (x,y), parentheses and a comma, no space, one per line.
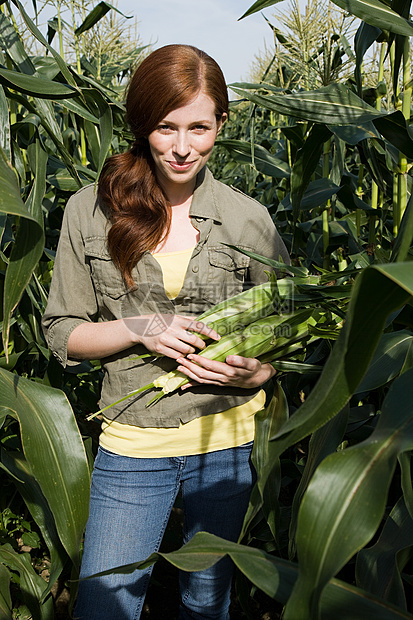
(248,327)
(240,310)
(265,339)
(268,338)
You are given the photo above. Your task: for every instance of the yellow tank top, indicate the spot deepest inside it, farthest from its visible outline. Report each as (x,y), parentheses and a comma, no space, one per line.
(217,431)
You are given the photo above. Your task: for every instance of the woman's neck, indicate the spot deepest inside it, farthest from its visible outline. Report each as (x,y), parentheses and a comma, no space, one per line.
(182,235)
(178,194)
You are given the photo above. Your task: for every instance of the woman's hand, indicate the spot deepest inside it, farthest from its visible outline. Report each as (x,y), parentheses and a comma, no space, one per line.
(172,335)
(236,371)
(162,334)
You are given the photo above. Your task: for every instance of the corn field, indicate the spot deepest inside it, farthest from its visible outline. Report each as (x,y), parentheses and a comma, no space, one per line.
(329,529)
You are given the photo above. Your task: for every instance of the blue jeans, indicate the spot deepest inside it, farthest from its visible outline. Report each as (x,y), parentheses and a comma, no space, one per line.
(131,500)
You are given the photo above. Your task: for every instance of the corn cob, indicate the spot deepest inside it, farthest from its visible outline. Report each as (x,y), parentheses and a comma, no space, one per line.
(257,340)
(266,339)
(240,310)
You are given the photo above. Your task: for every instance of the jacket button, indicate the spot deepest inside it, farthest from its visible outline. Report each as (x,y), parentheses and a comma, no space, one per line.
(195,268)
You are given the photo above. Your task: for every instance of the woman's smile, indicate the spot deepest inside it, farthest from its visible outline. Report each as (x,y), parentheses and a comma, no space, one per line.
(184,165)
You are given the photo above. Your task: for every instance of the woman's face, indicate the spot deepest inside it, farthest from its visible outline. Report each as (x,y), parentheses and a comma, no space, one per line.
(183,141)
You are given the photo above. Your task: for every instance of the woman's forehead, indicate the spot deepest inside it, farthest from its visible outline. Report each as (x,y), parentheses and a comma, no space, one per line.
(201,105)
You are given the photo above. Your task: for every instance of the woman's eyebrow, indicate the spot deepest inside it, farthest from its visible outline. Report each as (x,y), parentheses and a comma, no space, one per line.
(197,122)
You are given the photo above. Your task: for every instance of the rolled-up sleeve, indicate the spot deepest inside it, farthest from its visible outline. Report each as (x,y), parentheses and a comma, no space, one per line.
(72,298)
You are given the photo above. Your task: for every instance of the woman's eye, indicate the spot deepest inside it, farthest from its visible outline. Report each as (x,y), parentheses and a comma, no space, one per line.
(200,128)
(164,128)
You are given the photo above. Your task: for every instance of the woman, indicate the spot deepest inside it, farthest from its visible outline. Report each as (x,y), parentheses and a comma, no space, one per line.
(135,264)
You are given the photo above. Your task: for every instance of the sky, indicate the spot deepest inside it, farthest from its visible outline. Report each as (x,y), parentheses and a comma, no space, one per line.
(210,25)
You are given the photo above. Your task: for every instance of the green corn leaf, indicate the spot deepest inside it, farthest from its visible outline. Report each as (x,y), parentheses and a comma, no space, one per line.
(349,199)
(34,85)
(10,199)
(267,467)
(263,160)
(322,443)
(46,67)
(300,367)
(258,6)
(52,28)
(5,598)
(43,109)
(46,419)
(348,493)
(314,196)
(365,36)
(11,42)
(79,109)
(96,15)
(377,14)
(306,161)
(4,124)
(274,576)
(105,124)
(316,193)
(29,244)
(353,134)
(38,35)
(333,105)
(388,360)
(107,91)
(93,141)
(377,568)
(378,291)
(396,130)
(31,584)
(375,165)
(406,480)
(66,182)
(39,509)
(402,245)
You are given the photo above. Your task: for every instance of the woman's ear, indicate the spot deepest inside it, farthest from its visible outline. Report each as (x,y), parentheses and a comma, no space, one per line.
(221,121)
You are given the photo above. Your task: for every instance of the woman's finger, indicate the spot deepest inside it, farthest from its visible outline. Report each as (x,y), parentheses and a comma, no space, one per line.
(201,375)
(202,328)
(207,370)
(239,365)
(248,363)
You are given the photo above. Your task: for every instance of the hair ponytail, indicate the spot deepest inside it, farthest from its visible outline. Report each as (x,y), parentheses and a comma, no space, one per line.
(138,207)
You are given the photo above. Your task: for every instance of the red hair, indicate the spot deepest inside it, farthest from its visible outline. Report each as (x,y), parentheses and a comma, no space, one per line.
(139,212)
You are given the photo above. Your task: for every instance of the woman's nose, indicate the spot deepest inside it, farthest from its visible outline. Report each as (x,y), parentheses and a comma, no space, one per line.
(182,145)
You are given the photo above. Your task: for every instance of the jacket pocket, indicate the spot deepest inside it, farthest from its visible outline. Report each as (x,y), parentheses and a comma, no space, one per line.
(106,277)
(227,272)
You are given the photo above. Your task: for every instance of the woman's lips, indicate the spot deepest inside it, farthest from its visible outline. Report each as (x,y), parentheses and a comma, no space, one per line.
(181,166)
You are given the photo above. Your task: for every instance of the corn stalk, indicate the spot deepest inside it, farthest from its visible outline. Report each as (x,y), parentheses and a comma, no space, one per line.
(406,102)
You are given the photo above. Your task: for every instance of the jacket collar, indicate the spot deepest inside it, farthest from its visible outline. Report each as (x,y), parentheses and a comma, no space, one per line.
(204,202)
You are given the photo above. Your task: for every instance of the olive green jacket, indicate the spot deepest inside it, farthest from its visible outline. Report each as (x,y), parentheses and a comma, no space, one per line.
(86,286)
